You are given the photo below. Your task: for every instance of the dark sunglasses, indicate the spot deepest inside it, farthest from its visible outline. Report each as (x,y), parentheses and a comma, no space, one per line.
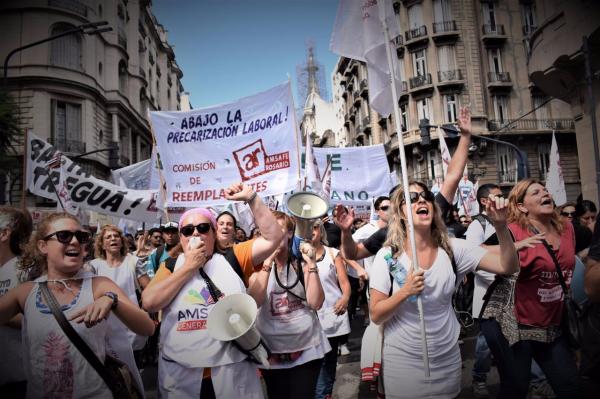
(188,229)
(66,236)
(384,208)
(568,214)
(426,195)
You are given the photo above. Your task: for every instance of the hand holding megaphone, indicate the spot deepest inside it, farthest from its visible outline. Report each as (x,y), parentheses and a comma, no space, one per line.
(308,252)
(195,256)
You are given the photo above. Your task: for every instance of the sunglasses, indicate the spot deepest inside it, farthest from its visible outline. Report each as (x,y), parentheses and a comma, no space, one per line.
(426,195)
(384,208)
(188,229)
(66,236)
(568,214)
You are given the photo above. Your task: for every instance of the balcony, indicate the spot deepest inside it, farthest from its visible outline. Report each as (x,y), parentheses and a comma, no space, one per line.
(364,88)
(507,177)
(122,38)
(399,43)
(450,78)
(493,34)
(68,146)
(70,5)
(532,125)
(417,35)
(420,82)
(499,81)
(445,31)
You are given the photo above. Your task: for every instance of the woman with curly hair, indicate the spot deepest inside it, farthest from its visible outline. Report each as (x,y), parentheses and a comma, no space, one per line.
(537,314)
(54,366)
(394,285)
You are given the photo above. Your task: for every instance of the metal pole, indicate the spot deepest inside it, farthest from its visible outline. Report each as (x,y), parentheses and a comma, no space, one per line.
(411,229)
(592,110)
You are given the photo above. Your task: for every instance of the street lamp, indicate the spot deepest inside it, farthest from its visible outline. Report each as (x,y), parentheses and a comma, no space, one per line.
(91,28)
(452,131)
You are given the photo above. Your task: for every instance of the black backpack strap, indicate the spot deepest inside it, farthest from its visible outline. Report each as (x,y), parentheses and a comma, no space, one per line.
(170,263)
(229,255)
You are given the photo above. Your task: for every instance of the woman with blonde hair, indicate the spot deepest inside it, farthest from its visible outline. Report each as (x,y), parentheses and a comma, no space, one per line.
(394,285)
(538,299)
(54,366)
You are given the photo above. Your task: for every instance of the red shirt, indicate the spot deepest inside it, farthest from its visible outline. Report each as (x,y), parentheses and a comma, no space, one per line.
(538,294)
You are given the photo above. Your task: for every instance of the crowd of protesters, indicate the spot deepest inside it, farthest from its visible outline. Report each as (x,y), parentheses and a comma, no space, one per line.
(116,290)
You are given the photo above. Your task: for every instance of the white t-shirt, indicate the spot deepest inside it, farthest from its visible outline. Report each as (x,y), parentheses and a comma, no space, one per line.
(477,234)
(11,366)
(403,329)
(359,236)
(334,325)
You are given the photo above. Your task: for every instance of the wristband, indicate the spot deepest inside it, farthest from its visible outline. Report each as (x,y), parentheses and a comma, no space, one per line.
(250,199)
(313,270)
(114,297)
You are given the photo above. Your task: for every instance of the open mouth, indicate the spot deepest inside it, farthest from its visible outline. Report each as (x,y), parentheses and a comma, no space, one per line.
(72,253)
(547,201)
(423,211)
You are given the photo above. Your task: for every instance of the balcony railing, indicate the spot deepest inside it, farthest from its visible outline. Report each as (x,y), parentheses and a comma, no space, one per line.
(507,177)
(444,26)
(493,30)
(498,77)
(68,146)
(449,76)
(398,41)
(71,5)
(532,124)
(122,37)
(420,80)
(403,86)
(416,33)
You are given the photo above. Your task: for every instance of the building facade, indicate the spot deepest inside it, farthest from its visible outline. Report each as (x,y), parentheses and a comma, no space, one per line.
(455,53)
(87,92)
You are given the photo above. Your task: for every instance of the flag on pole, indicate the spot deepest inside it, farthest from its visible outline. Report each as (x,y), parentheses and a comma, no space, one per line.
(444,151)
(326,183)
(555,182)
(311,169)
(358,34)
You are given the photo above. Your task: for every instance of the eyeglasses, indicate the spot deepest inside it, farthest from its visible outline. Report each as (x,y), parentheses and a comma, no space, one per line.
(66,236)
(384,208)
(568,214)
(426,195)
(188,229)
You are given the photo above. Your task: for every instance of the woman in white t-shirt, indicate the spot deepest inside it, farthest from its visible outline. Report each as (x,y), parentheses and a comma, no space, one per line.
(332,315)
(394,303)
(287,320)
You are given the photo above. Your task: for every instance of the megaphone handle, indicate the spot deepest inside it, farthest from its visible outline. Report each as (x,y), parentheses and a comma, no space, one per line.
(215,292)
(248,352)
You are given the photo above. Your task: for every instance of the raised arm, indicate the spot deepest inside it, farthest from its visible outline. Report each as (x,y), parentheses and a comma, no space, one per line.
(459,158)
(270,230)
(507,261)
(350,249)
(312,283)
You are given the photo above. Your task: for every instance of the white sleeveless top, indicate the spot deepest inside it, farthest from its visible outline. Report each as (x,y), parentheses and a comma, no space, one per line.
(184,337)
(285,322)
(54,366)
(334,325)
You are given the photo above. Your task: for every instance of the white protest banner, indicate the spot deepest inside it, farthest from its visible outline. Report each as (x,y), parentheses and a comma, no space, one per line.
(136,176)
(205,150)
(358,174)
(86,191)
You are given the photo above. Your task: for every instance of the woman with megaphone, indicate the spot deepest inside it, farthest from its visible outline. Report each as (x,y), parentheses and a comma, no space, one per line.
(288,291)
(187,291)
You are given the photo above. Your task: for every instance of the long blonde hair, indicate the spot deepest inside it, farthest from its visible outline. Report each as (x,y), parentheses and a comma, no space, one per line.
(99,252)
(398,225)
(517,196)
(33,263)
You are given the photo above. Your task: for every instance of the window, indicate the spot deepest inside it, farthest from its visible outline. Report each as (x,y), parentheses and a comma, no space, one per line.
(500,108)
(541,112)
(66,51)
(489,15)
(434,164)
(450,108)
(400,65)
(446,58)
(424,109)
(495,59)
(543,150)
(404,116)
(442,10)
(66,127)
(507,165)
(417,164)
(415,16)
(419,63)
(528,14)
(123,77)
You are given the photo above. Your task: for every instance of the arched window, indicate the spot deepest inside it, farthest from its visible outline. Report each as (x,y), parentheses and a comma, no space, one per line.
(66,51)
(123,76)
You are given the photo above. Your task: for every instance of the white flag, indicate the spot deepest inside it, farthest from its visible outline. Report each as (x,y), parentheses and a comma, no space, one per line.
(444,151)
(555,182)
(311,169)
(358,34)
(63,193)
(326,183)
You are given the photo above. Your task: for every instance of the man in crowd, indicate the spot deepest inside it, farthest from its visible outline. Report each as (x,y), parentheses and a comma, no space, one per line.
(156,239)
(169,233)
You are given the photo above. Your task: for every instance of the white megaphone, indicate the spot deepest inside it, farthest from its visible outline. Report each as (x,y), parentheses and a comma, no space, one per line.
(233,319)
(307,208)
